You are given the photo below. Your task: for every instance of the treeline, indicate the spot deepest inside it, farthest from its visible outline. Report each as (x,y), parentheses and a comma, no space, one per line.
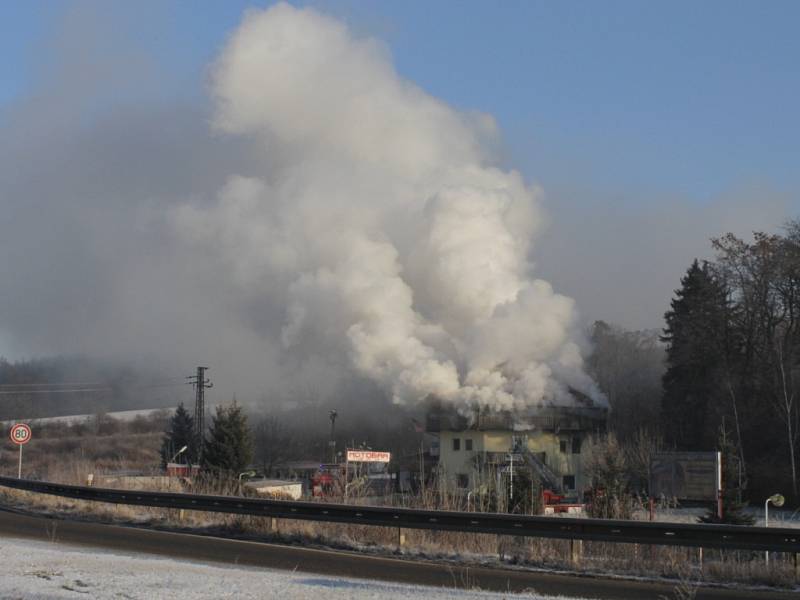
(726,366)
(733,355)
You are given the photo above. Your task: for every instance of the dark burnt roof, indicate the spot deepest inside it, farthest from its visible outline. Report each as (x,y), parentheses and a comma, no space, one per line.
(444,417)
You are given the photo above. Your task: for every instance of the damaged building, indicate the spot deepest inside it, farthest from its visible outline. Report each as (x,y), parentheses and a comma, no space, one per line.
(548,444)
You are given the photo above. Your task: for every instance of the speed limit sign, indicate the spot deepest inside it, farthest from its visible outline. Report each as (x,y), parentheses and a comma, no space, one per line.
(20,434)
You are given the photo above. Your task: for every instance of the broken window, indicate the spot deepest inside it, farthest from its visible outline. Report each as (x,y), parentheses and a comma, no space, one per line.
(468,445)
(456,444)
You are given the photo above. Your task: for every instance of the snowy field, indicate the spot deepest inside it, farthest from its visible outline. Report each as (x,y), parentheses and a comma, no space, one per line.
(42,570)
(122,415)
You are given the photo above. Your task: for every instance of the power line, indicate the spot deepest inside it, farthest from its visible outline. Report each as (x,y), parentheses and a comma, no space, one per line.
(52,388)
(56,391)
(63,384)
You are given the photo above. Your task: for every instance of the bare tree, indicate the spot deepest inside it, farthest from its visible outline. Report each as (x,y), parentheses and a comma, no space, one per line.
(606,464)
(764,277)
(274,443)
(638,451)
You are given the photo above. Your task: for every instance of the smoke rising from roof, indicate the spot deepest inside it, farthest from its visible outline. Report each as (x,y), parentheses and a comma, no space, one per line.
(393,242)
(362,232)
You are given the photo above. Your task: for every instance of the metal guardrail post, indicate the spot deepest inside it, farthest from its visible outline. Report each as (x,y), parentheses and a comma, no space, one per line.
(575,551)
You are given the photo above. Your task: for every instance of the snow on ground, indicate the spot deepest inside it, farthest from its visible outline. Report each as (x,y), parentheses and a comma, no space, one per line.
(41,570)
(777,518)
(121,415)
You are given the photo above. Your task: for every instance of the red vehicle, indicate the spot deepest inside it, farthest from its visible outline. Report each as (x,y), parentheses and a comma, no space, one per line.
(327,481)
(557,503)
(550,497)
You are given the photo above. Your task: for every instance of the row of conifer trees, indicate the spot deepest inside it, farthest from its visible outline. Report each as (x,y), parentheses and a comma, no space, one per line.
(227,447)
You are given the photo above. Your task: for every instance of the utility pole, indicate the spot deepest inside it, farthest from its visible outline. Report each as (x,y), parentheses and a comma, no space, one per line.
(332,442)
(200,383)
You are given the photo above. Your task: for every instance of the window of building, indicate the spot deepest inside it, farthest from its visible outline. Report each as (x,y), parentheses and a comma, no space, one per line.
(468,444)
(569,482)
(462,480)
(435,447)
(576,445)
(563,446)
(456,444)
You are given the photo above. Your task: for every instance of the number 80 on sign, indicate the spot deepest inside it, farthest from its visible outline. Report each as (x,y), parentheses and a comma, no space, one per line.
(20,434)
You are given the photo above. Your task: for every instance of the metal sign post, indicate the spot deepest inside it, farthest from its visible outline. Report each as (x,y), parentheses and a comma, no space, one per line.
(511,457)
(20,434)
(512,477)
(720,516)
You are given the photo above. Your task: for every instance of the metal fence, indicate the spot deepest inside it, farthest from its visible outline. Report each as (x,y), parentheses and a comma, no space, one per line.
(732,537)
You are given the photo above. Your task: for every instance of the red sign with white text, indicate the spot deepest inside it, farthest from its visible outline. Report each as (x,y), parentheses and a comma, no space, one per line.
(368,456)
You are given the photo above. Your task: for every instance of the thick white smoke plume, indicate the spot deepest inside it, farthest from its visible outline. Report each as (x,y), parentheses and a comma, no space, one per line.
(398,251)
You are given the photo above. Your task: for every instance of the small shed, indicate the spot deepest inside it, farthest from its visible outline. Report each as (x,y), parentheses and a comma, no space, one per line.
(277,488)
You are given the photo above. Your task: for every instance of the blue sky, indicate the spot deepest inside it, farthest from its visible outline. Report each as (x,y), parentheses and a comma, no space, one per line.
(688,98)
(629,114)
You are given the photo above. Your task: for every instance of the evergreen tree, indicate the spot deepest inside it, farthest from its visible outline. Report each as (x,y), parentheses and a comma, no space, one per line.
(229,447)
(732,487)
(696,337)
(180,433)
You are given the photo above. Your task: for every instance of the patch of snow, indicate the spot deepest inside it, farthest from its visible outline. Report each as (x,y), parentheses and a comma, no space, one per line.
(39,570)
(777,518)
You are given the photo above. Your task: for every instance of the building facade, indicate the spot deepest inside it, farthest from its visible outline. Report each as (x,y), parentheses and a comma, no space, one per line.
(548,444)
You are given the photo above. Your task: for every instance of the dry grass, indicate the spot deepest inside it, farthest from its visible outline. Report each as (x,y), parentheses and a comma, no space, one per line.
(61,453)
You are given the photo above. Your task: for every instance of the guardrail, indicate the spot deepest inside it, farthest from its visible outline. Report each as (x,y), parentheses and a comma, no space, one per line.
(733,537)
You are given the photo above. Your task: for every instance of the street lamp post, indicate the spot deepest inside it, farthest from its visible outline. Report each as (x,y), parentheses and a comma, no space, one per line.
(777,500)
(178,453)
(247,474)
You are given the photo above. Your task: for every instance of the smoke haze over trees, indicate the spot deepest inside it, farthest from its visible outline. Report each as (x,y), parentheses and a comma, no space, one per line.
(66,385)
(628,366)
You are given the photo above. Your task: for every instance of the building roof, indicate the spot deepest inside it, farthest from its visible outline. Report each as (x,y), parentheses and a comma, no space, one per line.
(550,418)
